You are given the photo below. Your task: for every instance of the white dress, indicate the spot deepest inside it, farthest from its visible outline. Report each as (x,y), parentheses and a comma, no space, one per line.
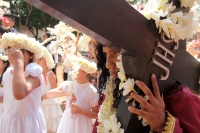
(87,97)
(2,92)
(22,116)
(50,107)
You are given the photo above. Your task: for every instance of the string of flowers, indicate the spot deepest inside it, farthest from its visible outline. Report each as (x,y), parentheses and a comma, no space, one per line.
(107,113)
(176,25)
(128,86)
(48,40)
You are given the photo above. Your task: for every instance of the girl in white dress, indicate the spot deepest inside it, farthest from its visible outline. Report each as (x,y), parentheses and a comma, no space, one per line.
(78,115)
(23,84)
(50,106)
(4,64)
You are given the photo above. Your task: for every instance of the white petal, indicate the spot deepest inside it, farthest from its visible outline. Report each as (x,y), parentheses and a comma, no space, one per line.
(128,86)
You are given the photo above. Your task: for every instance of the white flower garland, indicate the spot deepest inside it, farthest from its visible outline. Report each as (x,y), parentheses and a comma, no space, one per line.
(22,41)
(78,62)
(176,25)
(3,57)
(128,86)
(107,113)
(48,40)
(49,59)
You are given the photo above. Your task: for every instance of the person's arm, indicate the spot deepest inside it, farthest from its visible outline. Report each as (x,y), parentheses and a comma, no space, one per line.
(23,87)
(52,81)
(1,99)
(89,113)
(57,92)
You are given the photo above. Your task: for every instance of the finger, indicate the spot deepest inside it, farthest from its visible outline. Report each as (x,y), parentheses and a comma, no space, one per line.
(138,111)
(156,90)
(141,100)
(146,91)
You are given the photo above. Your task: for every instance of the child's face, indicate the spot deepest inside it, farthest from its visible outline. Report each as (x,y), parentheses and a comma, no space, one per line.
(41,62)
(8,22)
(81,74)
(27,56)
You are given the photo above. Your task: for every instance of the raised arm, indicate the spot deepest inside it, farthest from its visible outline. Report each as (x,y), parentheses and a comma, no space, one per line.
(21,86)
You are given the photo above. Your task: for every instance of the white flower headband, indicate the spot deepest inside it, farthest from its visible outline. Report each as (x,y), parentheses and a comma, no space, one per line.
(48,40)
(22,41)
(3,57)
(49,59)
(75,63)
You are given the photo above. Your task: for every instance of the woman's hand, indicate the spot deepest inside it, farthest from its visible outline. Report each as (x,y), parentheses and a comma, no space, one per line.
(154,111)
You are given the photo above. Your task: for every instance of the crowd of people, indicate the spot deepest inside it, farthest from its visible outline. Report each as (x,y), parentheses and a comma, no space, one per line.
(29,91)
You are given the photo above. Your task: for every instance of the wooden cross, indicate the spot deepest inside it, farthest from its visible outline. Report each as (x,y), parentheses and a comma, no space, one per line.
(116,23)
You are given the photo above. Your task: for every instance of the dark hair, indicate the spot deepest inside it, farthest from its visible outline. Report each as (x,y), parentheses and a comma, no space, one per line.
(30,53)
(104,76)
(9,15)
(101,66)
(8,64)
(51,39)
(3,30)
(48,34)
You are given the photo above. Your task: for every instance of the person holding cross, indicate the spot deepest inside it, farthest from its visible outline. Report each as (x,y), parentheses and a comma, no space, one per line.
(179,102)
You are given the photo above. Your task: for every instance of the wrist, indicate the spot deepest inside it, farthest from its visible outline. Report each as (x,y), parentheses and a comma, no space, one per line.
(168,126)
(18,62)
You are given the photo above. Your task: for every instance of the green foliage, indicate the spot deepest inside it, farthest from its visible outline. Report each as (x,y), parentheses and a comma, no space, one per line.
(132,2)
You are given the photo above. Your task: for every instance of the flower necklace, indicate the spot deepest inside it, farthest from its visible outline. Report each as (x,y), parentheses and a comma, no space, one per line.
(107,114)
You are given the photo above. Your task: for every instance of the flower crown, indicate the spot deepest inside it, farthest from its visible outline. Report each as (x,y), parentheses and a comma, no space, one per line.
(3,57)
(22,41)
(49,59)
(75,63)
(48,40)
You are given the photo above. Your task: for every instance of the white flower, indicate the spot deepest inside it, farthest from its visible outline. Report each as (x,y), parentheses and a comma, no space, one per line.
(174,31)
(4,3)
(158,8)
(129,86)
(121,74)
(3,57)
